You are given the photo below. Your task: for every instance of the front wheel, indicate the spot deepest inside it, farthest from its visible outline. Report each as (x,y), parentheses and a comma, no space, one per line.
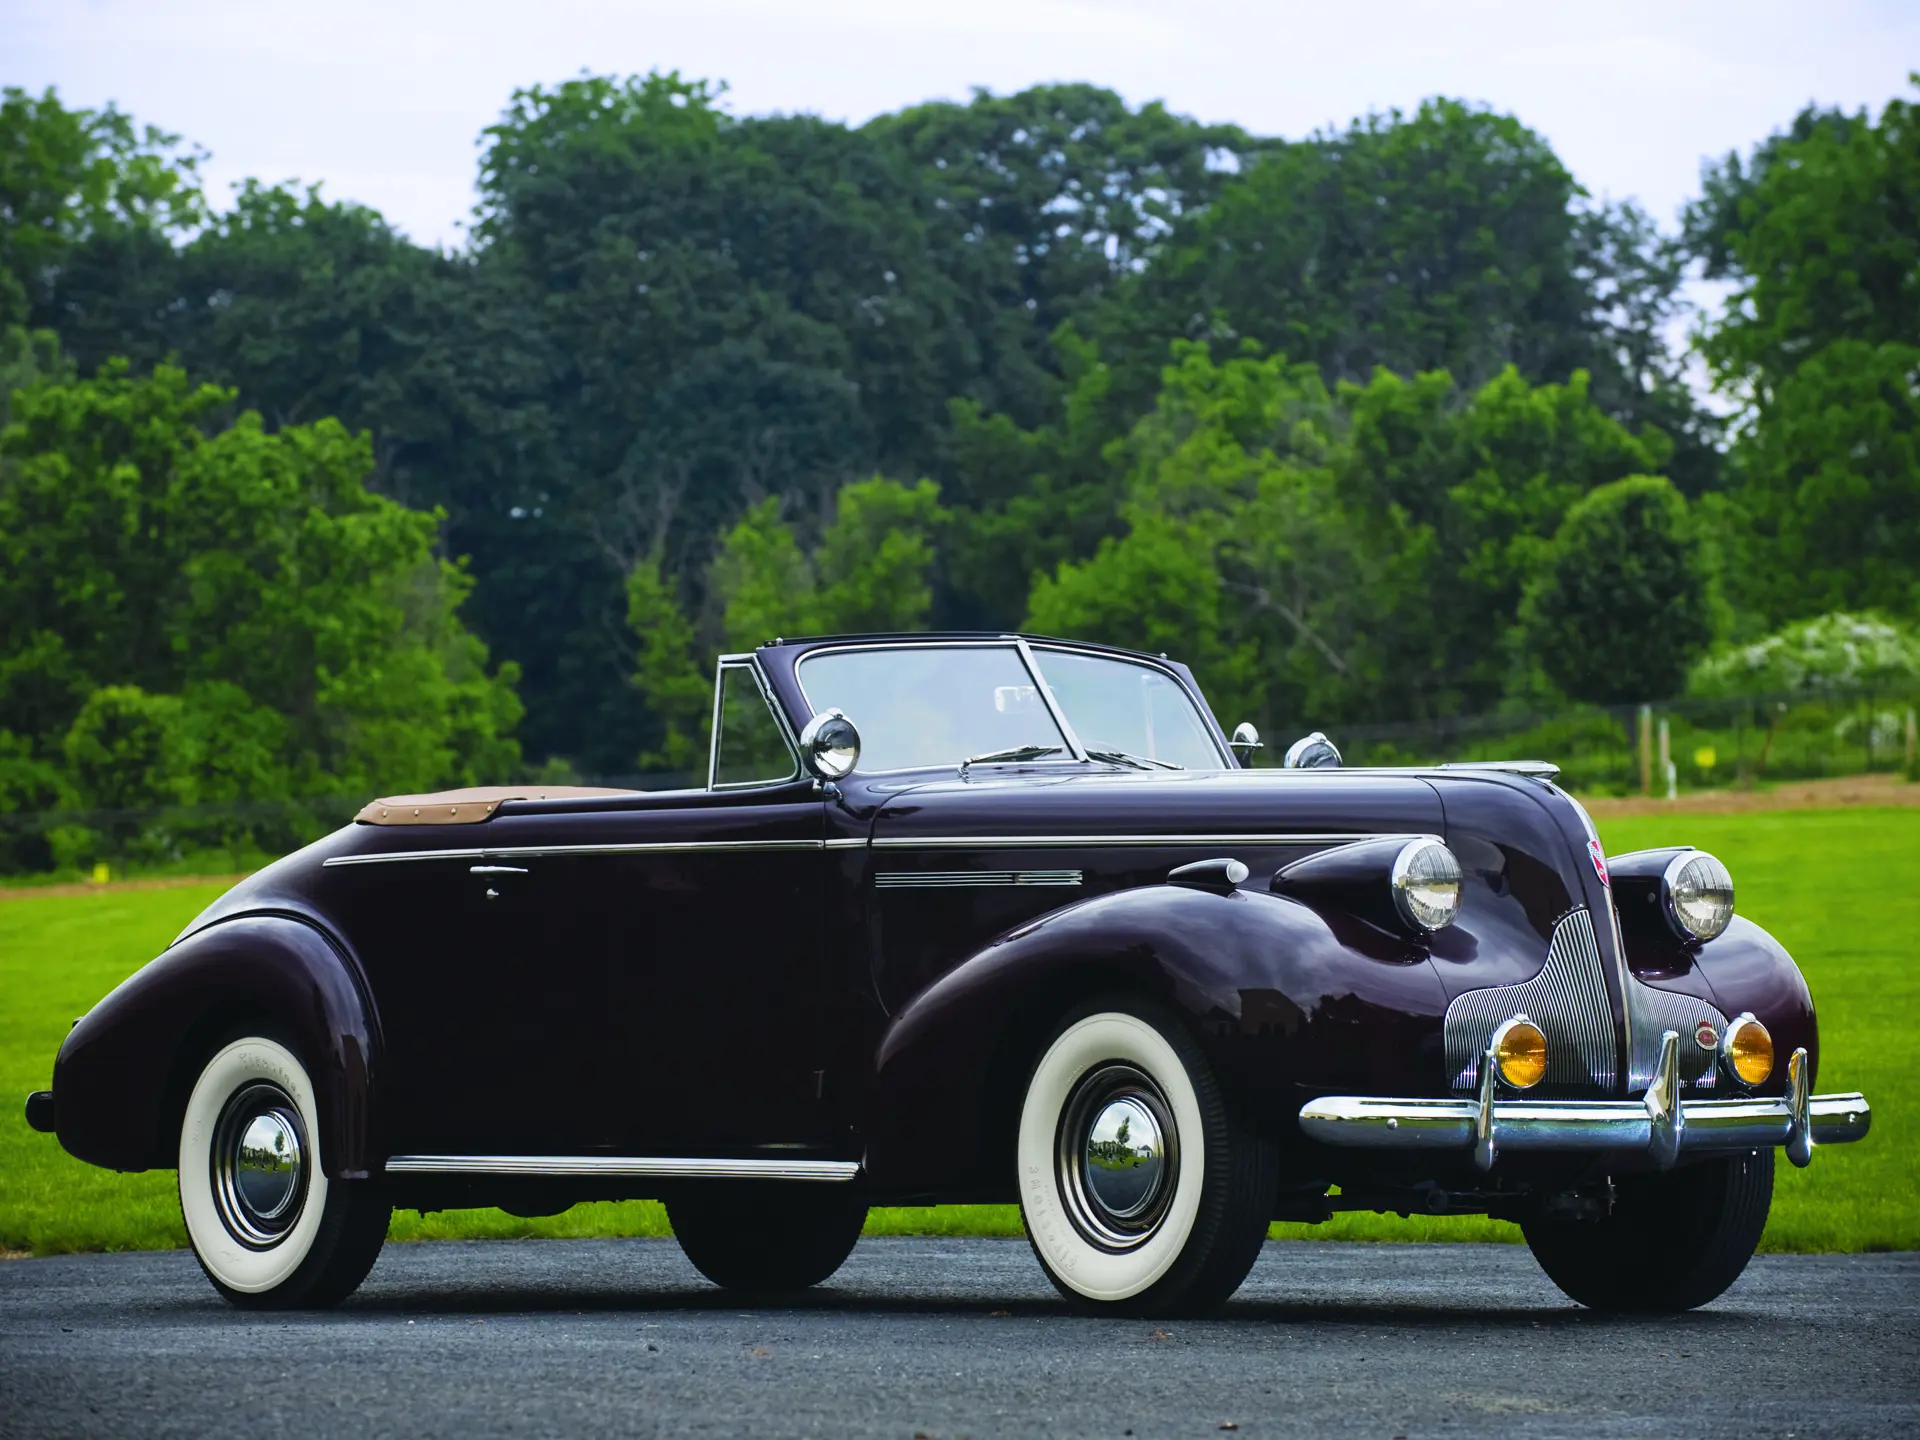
(269,1228)
(1139,1192)
(1671,1242)
(766,1235)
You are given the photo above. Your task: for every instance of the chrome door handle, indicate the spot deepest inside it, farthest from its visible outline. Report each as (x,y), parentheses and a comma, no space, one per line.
(496,870)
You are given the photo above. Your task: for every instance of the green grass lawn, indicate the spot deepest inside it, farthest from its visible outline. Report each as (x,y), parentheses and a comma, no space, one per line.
(1840,888)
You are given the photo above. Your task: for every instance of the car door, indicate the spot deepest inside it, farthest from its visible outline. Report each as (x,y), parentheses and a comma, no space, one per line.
(713,925)
(492,1010)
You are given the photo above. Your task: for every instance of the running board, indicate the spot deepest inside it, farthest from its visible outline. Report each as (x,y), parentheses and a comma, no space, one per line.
(837,1171)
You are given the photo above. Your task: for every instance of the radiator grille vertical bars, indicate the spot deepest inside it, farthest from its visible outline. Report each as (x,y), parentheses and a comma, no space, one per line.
(1567,1000)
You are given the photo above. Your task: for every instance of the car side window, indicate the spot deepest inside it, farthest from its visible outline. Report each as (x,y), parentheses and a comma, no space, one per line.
(749,747)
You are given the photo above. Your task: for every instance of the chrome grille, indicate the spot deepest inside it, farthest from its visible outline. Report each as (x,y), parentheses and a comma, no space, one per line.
(1651,1013)
(1567,1000)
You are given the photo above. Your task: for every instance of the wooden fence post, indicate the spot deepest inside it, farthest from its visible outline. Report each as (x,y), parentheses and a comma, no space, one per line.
(1646,749)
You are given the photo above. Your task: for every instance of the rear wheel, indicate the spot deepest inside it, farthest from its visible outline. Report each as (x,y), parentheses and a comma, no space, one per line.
(1139,1192)
(1671,1241)
(269,1228)
(766,1236)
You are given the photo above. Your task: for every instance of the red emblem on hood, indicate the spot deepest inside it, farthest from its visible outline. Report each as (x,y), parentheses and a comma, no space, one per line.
(1599,863)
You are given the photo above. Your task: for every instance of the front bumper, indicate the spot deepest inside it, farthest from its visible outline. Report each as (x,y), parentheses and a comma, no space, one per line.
(1660,1125)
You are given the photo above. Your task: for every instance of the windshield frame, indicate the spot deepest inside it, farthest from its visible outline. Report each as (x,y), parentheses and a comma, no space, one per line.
(1029,652)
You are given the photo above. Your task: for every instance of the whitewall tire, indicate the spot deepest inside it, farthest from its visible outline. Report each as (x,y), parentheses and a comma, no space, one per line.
(1137,1190)
(267,1225)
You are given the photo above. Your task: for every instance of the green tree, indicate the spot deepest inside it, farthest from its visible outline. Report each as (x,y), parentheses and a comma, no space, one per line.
(1452,238)
(70,177)
(1623,602)
(151,540)
(1322,557)
(1820,341)
(667,671)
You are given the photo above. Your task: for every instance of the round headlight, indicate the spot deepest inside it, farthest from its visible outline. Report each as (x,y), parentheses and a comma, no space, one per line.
(1426,884)
(1699,895)
(1520,1050)
(1747,1050)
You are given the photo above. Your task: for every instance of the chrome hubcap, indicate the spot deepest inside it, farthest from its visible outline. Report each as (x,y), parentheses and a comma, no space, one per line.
(1118,1154)
(259,1165)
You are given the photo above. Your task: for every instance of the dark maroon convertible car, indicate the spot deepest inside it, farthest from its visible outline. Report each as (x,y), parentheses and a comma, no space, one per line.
(1032,931)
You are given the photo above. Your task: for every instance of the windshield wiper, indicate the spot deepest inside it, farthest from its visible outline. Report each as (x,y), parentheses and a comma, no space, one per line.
(1014,752)
(1136,762)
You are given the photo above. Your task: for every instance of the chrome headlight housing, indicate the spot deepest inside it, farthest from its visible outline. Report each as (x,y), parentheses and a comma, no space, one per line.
(1426,883)
(1696,892)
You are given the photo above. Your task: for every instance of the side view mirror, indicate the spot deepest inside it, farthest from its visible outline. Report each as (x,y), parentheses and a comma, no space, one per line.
(830,745)
(1312,752)
(1245,737)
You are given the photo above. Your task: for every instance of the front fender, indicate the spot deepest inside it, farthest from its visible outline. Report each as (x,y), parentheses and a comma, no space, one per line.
(1277,994)
(1742,969)
(123,1075)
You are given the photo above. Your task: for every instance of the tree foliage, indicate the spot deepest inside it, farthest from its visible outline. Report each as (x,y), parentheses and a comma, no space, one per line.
(1622,602)
(193,607)
(1821,340)
(700,378)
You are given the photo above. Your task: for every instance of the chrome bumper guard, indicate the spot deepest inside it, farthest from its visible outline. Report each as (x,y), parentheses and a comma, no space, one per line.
(1661,1124)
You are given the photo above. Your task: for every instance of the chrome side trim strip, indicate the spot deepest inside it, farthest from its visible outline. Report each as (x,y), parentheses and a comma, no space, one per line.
(523,852)
(1045,842)
(971,879)
(831,1171)
(394,857)
(1581,1125)
(895,842)
(661,847)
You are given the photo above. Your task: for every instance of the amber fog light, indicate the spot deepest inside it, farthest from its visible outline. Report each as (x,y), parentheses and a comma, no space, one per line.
(1521,1052)
(1747,1050)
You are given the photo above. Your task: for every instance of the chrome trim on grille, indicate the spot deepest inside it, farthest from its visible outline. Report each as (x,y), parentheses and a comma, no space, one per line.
(971,879)
(1567,999)
(834,1171)
(1650,1014)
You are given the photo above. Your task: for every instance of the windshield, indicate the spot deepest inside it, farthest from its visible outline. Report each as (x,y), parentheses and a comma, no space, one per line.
(1116,706)
(939,705)
(931,706)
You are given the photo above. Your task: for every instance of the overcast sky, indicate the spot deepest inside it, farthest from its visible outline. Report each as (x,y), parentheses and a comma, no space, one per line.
(382,99)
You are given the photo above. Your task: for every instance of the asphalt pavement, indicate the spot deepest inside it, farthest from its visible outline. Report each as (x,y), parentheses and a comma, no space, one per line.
(948,1339)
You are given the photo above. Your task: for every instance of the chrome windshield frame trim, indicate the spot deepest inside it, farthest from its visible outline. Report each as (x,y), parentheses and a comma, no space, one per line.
(1047,697)
(653,1167)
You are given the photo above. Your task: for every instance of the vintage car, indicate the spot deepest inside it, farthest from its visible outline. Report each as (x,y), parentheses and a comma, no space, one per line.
(1032,931)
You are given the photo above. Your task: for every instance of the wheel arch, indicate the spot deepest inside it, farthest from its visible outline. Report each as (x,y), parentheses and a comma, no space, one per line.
(1265,984)
(124,1073)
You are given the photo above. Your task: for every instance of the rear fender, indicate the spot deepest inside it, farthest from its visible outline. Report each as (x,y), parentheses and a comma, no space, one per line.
(122,1078)
(1277,994)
